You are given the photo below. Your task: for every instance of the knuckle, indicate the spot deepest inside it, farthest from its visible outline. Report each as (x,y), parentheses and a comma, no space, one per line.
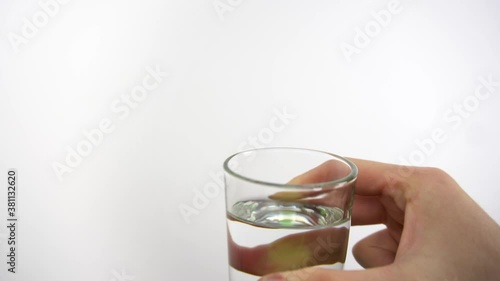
(432,173)
(433,178)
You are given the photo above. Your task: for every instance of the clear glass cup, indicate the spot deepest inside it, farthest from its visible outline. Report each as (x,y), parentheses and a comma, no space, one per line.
(287,208)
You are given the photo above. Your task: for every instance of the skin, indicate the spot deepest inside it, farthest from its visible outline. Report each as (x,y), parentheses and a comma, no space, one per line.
(311,247)
(434,230)
(291,252)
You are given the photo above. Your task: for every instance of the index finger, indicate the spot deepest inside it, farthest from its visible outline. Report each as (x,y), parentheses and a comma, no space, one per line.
(371,181)
(371,178)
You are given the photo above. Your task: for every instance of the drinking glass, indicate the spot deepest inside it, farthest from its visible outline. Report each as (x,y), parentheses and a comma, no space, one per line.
(287,208)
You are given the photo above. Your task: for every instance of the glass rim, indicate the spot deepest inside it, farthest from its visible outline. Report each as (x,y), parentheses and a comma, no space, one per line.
(352,176)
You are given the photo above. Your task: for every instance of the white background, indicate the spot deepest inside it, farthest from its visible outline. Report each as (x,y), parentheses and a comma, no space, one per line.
(116,215)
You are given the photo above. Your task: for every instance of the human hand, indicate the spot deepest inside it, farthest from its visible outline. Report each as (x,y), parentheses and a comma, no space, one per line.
(435,231)
(308,246)
(328,245)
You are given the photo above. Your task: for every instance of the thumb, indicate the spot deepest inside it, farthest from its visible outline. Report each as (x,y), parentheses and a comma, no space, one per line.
(316,274)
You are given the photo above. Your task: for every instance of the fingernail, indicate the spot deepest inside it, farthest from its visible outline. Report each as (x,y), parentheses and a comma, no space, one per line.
(273,277)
